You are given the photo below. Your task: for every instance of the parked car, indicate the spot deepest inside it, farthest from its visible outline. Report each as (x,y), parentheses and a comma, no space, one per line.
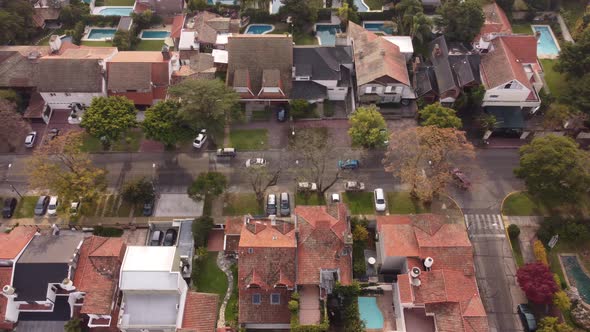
(380,204)
(348,164)
(148,208)
(285,204)
(282,115)
(41,206)
(30,139)
(200,139)
(74,208)
(256,162)
(226,152)
(527,318)
(9,207)
(53,133)
(461,178)
(307,186)
(170,237)
(157,237)
(271,204)
(52,207)
(354,186)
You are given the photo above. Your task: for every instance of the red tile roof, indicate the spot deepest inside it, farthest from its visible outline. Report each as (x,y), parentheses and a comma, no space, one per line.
(11,244)
(177,25)
(261,233)
(496,22)
(524,47)
(200,312)
(97,273)
(233,225)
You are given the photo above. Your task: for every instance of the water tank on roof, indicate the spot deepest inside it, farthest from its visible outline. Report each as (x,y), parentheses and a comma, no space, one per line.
(415,272)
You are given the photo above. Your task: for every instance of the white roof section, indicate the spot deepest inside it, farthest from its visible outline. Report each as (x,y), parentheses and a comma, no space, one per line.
(148,310)
(220,56)
(149,280)
(403,42)
(222,38)
(187,39)
(144,258)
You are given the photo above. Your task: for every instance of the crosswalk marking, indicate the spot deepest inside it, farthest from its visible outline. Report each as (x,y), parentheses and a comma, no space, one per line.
(485,224)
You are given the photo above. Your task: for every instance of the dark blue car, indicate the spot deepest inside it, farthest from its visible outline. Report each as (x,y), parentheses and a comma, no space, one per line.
(348,164)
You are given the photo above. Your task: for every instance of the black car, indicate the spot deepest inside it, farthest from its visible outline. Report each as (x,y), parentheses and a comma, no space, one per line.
(9,206)
(148,208)
(41,206)
(170,237)
(527,318)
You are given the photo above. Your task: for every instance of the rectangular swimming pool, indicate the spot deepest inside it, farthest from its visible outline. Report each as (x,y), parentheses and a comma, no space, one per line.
(327,34)
(154,34)
(116,11)
(547,46)
(370,312)
(378,27)
(101,34)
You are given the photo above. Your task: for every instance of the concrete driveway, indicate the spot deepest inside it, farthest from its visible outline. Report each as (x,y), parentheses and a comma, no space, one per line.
(178,206)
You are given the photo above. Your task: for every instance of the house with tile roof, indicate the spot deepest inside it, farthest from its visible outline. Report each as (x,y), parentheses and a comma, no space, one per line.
(380,67)
(143,77)
(430,260)
(496,23)
(203,32)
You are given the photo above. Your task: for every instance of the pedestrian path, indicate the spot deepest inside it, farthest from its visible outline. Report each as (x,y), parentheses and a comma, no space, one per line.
(225,265)
(485,225)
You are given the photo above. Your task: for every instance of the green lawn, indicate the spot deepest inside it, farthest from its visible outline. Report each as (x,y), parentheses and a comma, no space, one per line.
(309,199)
(129,143)
(248,139)
(403,203)
(26,207)
(210,278)
(523,28)
(374,4)
(305,39)
(231,310)
(516,252)
(150,45)
(241,204)
(555,80)
(359,202)
(97,43)
(521,204)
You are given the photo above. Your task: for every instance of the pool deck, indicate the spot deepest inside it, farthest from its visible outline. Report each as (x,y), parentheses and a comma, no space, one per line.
(309,306)
(385,304)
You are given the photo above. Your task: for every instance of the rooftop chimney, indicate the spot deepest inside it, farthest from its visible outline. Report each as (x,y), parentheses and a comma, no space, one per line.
(54,43)
(165,52)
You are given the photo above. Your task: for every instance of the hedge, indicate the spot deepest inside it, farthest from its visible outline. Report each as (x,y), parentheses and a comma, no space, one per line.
(107,231)
(385,15)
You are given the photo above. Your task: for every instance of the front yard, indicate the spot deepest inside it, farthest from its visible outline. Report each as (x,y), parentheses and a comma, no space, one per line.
(521,204)
(403,203)
(129,143)
(26,207)
(248,139)
(309,199)
(241,204)
(359,202)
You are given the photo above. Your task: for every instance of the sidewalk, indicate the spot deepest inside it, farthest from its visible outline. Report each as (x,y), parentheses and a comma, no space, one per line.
(528,233)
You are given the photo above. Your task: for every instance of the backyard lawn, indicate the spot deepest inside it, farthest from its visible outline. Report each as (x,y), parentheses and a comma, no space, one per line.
(210,278)
(26,207)
(359,202)
(150,45)
(523,28)
(403,203)
(521,204)
(241,204)
(248,139)
(555,80)
(374,4)
(309,199)
(305,39)
(96,43)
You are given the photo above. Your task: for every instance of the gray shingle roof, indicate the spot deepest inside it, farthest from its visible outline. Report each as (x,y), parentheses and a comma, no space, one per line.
(322,63)
(69,75)
(439,56)
(308,90)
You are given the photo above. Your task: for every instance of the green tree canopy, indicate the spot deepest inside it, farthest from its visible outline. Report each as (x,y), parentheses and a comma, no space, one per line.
(577,93)
(138,191)
(204,103)
(573,58)
(210,183)
(299,108)
(556,116)
(439,116)
(367,127)
(108,118)
(554,168)
(163,123)
(16,22)
(122,40)
(301,11)
(552,324)
(460,20)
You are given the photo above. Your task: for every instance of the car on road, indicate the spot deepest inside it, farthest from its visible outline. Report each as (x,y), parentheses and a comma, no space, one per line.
(285,204)
(354,186)
(527,318)
(271,204)
(348,164)
(30,139)
(200,139)
(380,204)
(307,186)
(256,162)
(282,115)
(157,237)
(41,206)
(9,207)
(461,178)
(170,237)
(52,134)
(226,152)
(52,207)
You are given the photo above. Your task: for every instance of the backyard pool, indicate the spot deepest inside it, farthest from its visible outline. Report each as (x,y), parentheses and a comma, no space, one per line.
(576,275)
(327,34)
(115,11)
(378,27)
(100,34)
(259,29)
(547,46)
(370,312)
(154,34)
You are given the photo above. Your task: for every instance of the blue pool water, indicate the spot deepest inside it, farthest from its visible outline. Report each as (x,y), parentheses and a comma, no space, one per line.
(101,33)
(327,34)
(379,27)
(152,34)
(546,46)
(576,276)
(258,29)
(361,6)
(116,11)
(370,312)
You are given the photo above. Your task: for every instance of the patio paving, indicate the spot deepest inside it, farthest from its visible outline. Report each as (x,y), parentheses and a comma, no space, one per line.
(309,306)
(215,240)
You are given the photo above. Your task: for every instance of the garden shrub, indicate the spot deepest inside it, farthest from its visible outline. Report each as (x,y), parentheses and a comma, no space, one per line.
(574,231)
(540,252)
(107,231)
(513,231)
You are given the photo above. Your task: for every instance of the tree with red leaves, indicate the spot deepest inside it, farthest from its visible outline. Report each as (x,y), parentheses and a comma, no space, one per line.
(536,280)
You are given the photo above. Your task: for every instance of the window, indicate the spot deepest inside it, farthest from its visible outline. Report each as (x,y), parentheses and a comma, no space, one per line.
(250,250)
(256,299)
(369,90)
(275,298)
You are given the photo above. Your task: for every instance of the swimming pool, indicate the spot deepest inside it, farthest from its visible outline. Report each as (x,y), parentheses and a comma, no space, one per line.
(115,11)
(370,312)
(327,34)
(154,34)
(378,27)
(576,275)
(547,46)
(259,29)
(361,6)
(100,34)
